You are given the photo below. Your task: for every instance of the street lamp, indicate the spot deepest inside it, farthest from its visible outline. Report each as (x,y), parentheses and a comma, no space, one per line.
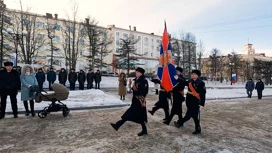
(231,65)
(16,36)
(51,35)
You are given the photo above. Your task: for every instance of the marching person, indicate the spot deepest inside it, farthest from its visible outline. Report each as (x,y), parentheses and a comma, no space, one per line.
(28,81)
(122,91)
(156,85)
(9,85)
(40,77)
(260,87)
(249,87)
(72,78)
(51,78)
(178,98)
(90,79)
(62,76)
(97,79)
(163,101)
(137,111)
(195,100)
(81,79)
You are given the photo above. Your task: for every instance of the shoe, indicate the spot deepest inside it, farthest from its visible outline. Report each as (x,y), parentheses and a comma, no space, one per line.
(197,132)
(167,122)
(15,116)
(142,133)
(151,112)
(1,117)
(177,124)
(114,126)
(26,113)
(165,119)
(33,114)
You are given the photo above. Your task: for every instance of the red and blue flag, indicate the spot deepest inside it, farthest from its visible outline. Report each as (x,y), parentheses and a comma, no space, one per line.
(166,69)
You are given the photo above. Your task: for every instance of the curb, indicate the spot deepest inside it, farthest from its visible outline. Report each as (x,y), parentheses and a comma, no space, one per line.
(235,97)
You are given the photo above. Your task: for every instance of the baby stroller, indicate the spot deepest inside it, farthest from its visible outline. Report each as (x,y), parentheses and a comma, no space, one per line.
(59,93)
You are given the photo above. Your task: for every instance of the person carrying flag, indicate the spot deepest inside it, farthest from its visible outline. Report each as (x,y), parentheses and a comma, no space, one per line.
(195,100)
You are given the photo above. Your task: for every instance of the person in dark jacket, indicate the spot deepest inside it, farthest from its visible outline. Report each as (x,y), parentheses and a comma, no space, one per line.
(90,79)
(137,111)
(81,79)
(40,76)
(178,98)
(259,87)
(62,76)
(72,78)
(250,87)
(195,100)
(51,78)
(97,79)
(9,85)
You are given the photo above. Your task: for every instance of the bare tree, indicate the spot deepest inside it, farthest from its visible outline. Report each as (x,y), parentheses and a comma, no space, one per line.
(199,54)
(236,60)
(263,69)
(215,53)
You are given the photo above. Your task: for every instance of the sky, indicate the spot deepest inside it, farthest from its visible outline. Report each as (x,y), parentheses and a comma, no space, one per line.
(223,24)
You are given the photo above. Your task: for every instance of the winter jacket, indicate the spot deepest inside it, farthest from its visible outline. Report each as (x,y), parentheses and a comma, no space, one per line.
(81,77)
(97,77)
(63,77)
(51,76)
(9,82)
(72,77)
(90,77)
(259,86)
(40,76)
(122,90)
(27,81)
(250,85)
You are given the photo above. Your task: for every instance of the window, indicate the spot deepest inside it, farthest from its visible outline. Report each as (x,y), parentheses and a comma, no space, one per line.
(158,41)
(125,35)
(57,27)
(40,25)
(70,29)
(117,34)
(82,42)
(25,22)
(82,53)
(67,40)
(117,43)
(151,54)
(40,36)
(56,39)
(152,40)
(146,41)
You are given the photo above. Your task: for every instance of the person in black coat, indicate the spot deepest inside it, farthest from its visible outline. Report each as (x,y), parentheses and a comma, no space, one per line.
(51,78)
(62,76)
(90,79)
(259,87)
(81,79)
(72,78)
(97,79)
(137,111)
(195,100)
(40,76)
(178,98)
(9,85)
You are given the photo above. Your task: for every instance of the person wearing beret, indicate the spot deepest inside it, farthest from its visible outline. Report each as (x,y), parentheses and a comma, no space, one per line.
(137,111)
(195,100)
(9,86)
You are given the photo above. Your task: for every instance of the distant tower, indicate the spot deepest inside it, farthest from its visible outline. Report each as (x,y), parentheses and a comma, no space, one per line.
(248,50)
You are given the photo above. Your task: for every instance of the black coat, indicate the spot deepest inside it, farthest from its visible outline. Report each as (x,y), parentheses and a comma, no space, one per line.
(178,96)
(51,76)
(72,77)
(9,82)
(97,77)
(63,76)
(137,111)
(81,77)
(259,86)
(90,77)
(199,86)
(40,76)
(163,95)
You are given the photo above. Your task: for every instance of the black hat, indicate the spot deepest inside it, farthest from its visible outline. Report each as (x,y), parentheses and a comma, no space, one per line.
(197,72)
(62,68)
(72,69)
(141,70)
(8,64)
(179,69)
(40,69)
(90,69)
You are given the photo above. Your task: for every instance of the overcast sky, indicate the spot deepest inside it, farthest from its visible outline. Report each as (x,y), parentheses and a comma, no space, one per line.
(224,24)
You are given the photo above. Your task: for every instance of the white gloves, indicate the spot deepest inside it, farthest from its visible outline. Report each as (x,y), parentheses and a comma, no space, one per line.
(176,77)
(200,107)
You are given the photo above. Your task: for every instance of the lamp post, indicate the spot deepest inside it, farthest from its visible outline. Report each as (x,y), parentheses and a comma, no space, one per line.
(51,36)
(16,36)
(231,65)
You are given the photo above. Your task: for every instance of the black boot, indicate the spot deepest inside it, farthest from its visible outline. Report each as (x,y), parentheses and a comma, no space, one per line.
(167,121)
(178,124)
(197,130)
(144,130)
(120,97)
(166,113)
(26,108)
(114,126)
(151,112)
(32,108)
(123,97)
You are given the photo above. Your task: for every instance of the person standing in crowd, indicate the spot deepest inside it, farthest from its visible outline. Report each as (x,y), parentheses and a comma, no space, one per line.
(195,100)
(9,85)
(156,85)
(90,79)
(29,82)
(178,98)
(40,76)
(122,86)
(72,78)
(137,111)
(97,79)
(260,87)
(51,78)
(62,76)
(250,87)
(81,79)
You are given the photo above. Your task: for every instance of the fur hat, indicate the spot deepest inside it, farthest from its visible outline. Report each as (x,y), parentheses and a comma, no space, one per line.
(139,69)
(72,69)
(197,72)
(8,64)
(179,69)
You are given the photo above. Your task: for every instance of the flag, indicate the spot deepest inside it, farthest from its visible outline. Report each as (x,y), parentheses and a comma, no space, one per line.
(166,69)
